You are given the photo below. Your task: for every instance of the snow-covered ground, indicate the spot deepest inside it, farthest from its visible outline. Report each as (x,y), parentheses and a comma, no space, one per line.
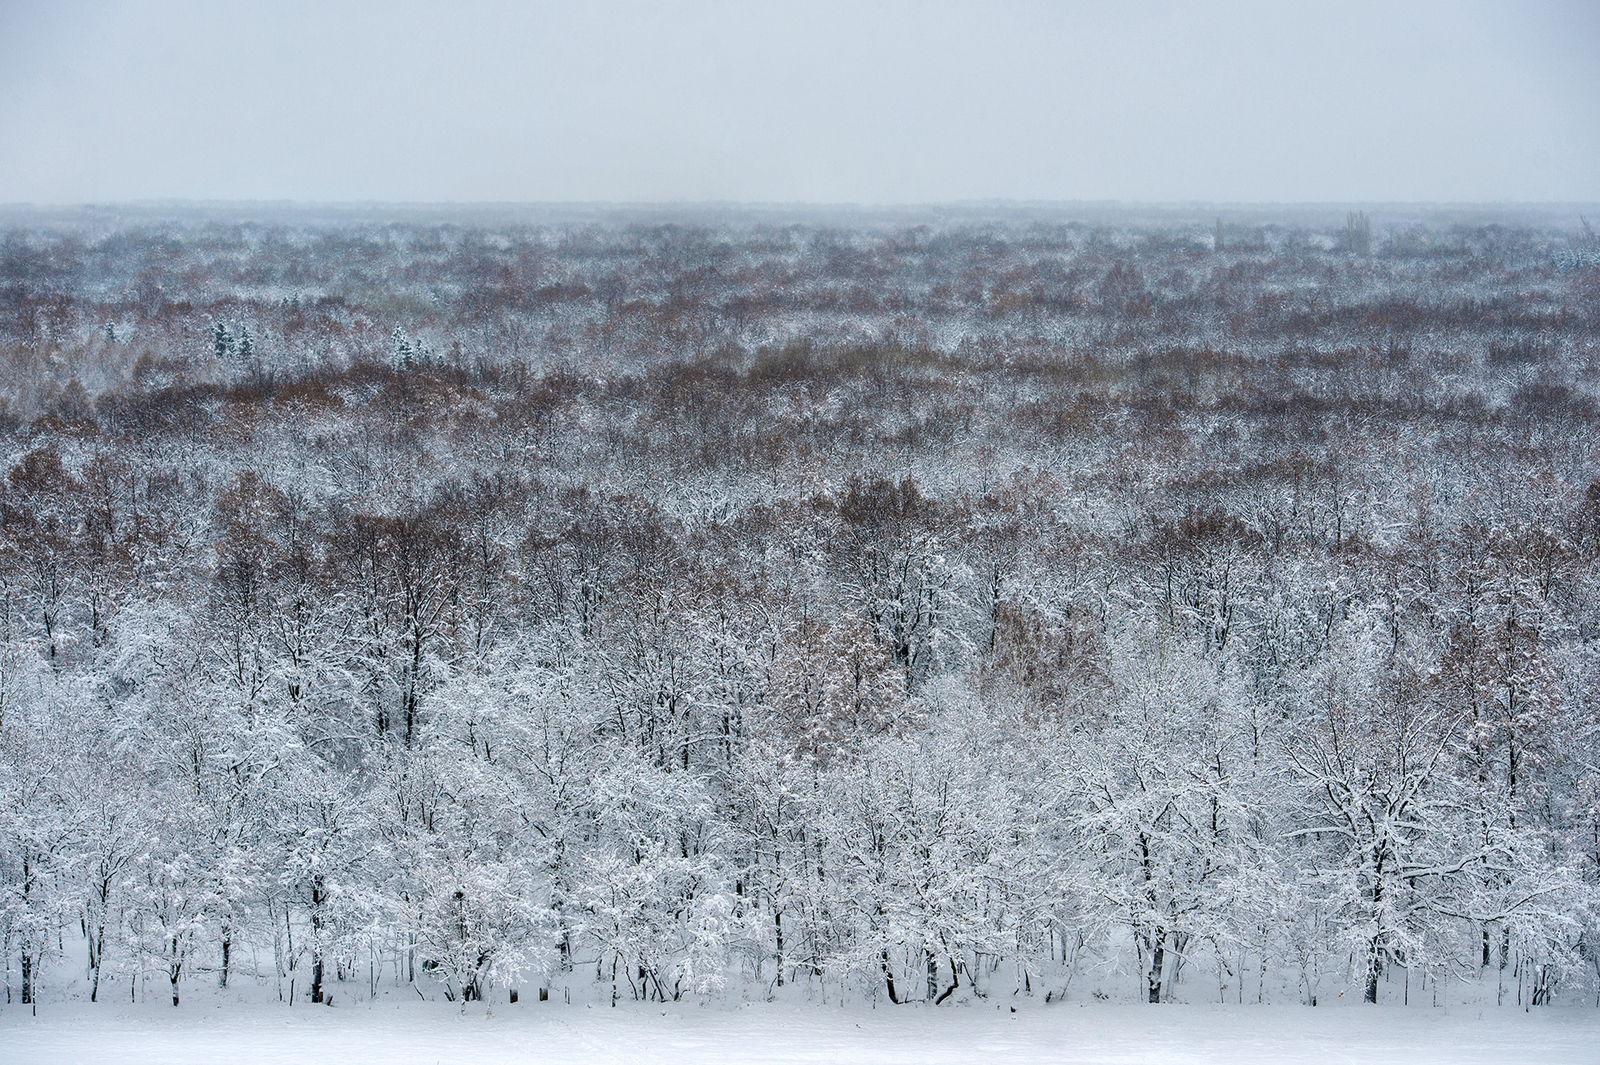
(392,1033)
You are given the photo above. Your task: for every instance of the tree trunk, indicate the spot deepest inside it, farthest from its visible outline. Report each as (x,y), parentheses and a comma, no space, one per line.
(175,970)
(777,925)
(97,946)
(1158,960)
(1375,949)
(888,977)
(317,900)
(955,982)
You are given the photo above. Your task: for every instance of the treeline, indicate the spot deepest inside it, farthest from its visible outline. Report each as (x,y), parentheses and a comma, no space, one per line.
(917,614)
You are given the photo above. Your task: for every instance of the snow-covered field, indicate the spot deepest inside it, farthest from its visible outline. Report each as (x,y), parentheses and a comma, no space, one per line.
(552,1032)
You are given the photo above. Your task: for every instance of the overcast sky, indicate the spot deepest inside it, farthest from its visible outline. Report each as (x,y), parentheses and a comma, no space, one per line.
(818,102)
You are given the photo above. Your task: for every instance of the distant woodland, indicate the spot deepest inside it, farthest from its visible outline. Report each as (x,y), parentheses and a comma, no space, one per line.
(1171,611)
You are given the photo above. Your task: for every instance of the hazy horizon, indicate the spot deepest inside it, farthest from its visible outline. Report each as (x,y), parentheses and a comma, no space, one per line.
(729,217)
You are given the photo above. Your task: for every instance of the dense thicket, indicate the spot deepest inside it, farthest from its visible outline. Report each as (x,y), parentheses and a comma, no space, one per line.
(902,612)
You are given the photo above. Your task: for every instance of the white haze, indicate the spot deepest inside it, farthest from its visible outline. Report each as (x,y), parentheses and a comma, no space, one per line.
(828,103)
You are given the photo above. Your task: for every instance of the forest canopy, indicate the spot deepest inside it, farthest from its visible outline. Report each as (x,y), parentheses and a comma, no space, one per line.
(1158,609)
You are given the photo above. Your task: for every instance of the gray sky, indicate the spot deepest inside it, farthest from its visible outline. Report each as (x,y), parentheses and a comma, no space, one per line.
(819,102)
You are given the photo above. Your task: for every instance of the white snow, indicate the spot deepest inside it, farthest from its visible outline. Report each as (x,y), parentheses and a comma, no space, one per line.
(554,1032)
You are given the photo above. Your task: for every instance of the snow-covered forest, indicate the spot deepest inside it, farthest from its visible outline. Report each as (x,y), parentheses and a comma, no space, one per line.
(1161,610)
